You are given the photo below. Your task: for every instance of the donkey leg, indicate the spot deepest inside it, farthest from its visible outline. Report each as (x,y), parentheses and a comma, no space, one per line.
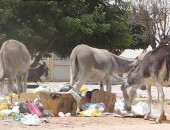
(109,84)
(77,87)
(19,85)
(25,77)
(1,87)
(72,76)
(147,116)
(162,97)
(79,84)
(10,84)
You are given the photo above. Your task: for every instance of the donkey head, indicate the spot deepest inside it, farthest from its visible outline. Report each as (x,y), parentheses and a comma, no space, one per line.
(133,82)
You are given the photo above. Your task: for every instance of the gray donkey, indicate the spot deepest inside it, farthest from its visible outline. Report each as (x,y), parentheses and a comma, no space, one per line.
(88,63)
(153,70)
(14,63)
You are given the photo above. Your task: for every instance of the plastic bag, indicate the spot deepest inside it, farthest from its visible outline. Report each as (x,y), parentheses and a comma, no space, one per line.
(99,106)
(23,108)
(91,112)
(30,120)
(3,106)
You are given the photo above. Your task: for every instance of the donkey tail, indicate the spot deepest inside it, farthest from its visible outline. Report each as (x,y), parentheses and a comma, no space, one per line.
(74,69)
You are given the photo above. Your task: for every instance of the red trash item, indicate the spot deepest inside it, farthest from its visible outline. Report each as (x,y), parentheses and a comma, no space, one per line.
(34,109)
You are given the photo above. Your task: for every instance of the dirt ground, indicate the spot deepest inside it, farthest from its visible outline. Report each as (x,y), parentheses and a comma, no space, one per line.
(109,122)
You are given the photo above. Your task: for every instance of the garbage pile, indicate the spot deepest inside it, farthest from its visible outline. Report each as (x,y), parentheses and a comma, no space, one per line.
(28,113)
(139,109)
(31,108)
(96,102)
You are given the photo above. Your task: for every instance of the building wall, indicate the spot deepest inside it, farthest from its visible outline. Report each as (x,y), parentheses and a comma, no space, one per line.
(59,70)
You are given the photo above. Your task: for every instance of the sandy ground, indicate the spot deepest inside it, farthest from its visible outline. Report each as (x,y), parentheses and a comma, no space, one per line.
(109,122)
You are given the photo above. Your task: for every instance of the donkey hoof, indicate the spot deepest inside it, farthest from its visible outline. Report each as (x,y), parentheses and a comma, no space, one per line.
(146,117)
(77,111)
(158,121)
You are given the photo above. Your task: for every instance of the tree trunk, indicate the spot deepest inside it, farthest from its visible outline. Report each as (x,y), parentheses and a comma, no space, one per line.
(41,54)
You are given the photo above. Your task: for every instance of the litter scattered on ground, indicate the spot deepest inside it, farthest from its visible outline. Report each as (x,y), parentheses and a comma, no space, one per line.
(90,113)
(138,110)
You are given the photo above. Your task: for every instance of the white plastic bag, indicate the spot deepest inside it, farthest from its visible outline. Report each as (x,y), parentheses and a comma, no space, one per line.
(31,120)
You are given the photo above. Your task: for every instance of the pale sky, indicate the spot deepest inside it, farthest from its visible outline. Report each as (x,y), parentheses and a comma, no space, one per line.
(133,53)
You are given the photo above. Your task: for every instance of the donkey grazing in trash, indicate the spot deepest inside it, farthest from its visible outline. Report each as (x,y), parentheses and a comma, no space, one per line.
(38,71)
(14,63)
(154,70)
(92,64)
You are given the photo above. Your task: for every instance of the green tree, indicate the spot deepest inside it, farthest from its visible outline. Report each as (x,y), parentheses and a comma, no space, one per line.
(58,26)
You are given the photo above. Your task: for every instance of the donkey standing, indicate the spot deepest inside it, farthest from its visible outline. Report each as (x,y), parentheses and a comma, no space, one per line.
(14,63)
(38,71)
(88,63)
(153,71)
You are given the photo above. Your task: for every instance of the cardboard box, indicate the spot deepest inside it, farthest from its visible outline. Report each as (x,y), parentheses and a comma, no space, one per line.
(59,103)
(51,101)
(84,100)
(107,98)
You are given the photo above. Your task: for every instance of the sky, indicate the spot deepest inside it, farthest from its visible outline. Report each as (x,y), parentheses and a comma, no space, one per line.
(129,53)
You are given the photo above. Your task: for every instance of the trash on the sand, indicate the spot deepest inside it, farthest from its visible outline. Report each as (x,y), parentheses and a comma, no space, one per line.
(89,93)
(1,116)
(99,106)
(15,109)
(139,109)
(37,101)
(47,113)
(4,99)
(34,109)
(65,88)
(42,89)
(8,112)
(61,114)
(16,117)
(68,114)
(90,112)
(31,120)
(4,106)
(83,91)
(23,108)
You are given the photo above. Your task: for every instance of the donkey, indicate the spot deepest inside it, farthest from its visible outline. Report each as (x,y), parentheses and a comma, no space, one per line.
(152,71)
(88,63)
(37,72)
(14,63)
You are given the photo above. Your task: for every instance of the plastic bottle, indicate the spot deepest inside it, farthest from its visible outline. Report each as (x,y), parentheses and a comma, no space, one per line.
(34,110)
(99,106)
(16,117)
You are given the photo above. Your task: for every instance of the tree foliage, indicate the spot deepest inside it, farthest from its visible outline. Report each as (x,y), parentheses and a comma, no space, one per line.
(58,26)
(150,20)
